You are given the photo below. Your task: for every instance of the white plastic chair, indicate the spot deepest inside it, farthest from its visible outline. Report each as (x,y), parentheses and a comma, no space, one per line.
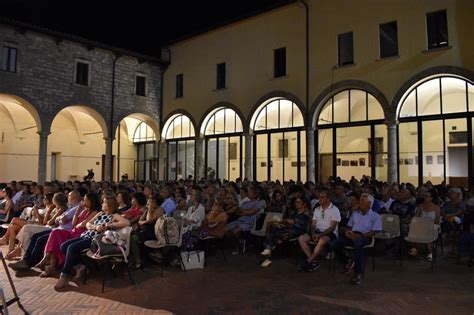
(269,217)
(112,260)
(390,230)
(422,231)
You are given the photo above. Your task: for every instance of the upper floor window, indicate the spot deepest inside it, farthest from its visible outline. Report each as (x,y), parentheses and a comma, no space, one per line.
(279,62)
(437,29)
(388,36)
(9,56)
(179,85)
(140,85)
(82,73)
(345,44)
(220,84)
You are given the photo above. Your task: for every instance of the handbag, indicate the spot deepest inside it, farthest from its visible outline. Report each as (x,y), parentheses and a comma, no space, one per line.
(193,260)
(166,230)
(107,244)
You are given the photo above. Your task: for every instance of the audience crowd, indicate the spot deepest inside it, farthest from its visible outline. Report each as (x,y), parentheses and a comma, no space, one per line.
(49,226)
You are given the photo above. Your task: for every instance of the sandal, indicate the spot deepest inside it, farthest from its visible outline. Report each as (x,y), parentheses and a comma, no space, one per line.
(48,272)
(15,253)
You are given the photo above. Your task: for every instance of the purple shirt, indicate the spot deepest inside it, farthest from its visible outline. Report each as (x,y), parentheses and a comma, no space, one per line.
(69,214)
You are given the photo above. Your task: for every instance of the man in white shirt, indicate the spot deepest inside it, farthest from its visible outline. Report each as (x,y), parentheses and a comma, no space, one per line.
(326,217)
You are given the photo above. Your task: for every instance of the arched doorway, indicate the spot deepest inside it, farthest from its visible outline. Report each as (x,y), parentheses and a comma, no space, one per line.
(435,131)
(279,143)
(76,144)
(136,149)
(223,133)
(179,134)
(351,137)
(19,140)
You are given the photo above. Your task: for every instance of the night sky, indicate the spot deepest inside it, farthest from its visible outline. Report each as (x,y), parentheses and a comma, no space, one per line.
(142,26)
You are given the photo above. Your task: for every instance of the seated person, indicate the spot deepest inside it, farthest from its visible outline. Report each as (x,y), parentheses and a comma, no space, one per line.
(404,208)
(105,220)
(34,251)
(168,206)
(215,221)
(326,217)
(195,213)
(180,198)
(362,226)
(53,257)
(146,223)
(7,194)
(123,200)
(277,203)
(428,209)
(453,211)
(287,229)
(247,214)
(17,225)
(137,209)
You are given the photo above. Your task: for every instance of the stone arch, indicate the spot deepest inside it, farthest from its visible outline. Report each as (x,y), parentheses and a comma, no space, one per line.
(93,112)
(220,105)
(335,88)
(179,112)
(265,99)
(144,116)
(425,75)
(27,105)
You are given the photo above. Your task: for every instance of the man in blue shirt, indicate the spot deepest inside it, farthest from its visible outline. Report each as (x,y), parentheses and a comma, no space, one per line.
(362,226)
(247,214)
(168,204)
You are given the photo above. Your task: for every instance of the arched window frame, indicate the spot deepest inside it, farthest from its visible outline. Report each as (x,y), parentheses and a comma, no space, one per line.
(139,138)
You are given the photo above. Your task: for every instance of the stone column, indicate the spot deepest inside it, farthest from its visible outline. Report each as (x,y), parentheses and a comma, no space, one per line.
(248,157)
(310,158)
(162,160)
(200,163)
(108,159)
(42,156)
(392,161)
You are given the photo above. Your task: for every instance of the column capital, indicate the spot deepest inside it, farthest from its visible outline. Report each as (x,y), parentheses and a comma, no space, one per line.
(44,134)
(391,123)
(109,138)
(310,129)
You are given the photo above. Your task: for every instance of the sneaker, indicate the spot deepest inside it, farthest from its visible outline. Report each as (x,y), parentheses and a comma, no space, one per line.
(357,279)
(331,256)
(266,252)
(266,263)
(348,267)
(313,266)
(235,252)
(429,257)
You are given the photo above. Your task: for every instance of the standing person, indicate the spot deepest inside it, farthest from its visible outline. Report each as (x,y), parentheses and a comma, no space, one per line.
(326,217)
(363,226)
(105,220)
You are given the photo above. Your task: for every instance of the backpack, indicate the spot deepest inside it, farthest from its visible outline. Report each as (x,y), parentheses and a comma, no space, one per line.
(166,230)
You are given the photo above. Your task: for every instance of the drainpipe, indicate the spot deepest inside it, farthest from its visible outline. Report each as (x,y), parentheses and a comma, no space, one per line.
(310,159)
(165,67)
(112,112)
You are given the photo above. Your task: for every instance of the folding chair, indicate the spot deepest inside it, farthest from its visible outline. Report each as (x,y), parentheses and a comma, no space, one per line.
(154,244)
(110,261)
(391,230)
(422,231)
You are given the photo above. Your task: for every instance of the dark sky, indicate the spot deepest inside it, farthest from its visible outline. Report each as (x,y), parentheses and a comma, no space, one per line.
(140,25)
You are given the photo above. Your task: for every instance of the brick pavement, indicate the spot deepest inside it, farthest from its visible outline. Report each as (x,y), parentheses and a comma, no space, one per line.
(242,287)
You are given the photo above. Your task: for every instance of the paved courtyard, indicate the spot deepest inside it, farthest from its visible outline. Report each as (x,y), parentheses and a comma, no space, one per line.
(241,287)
